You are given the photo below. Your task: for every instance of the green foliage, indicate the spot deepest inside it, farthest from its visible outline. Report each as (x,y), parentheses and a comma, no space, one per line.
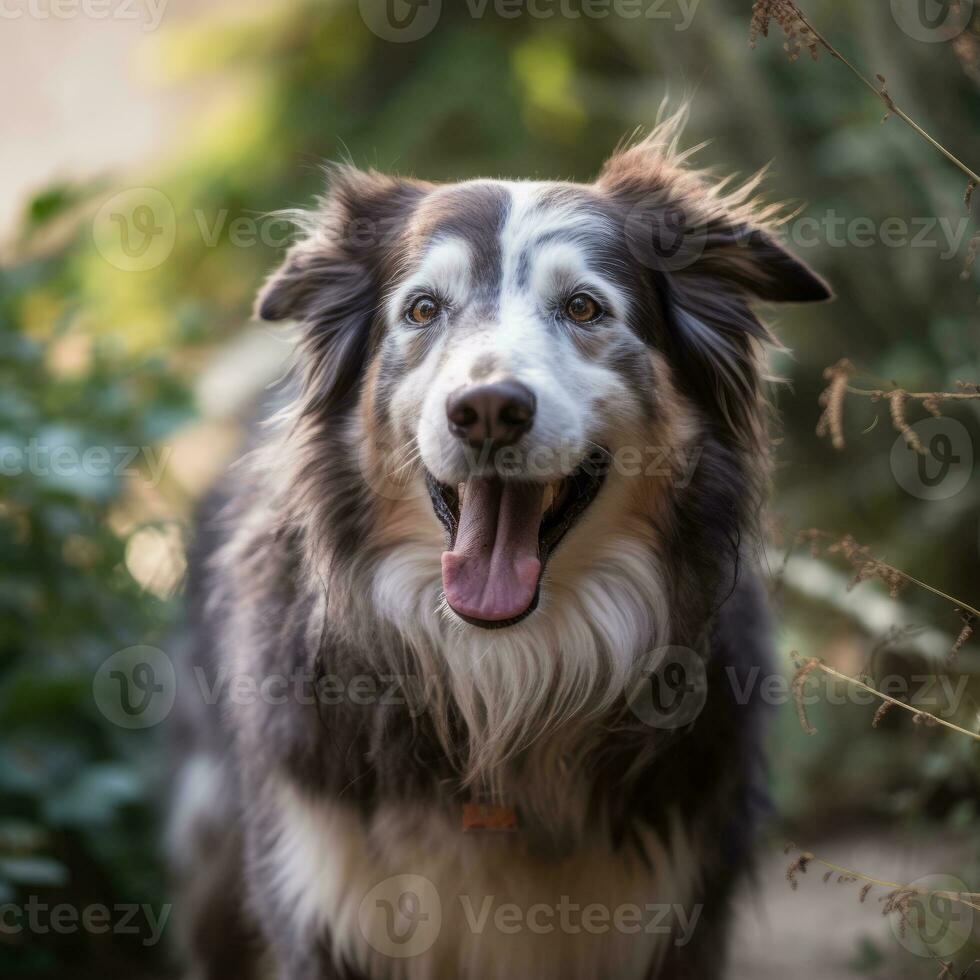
(76,822)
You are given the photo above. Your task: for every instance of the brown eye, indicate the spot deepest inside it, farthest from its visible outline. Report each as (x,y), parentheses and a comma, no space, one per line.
(582,308)
(424,310)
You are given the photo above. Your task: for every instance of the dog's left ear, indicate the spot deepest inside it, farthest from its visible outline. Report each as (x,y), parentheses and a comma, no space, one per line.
(750,259)
(708,253)
(678,222)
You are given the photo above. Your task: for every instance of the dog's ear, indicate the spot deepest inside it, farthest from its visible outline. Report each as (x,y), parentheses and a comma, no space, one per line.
(680,221)
(330,281)
(746,256)
(709,252)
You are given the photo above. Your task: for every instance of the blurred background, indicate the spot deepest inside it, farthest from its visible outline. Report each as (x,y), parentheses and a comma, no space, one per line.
(146,143)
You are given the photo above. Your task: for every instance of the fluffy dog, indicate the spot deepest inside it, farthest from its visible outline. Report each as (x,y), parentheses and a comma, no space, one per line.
(490,582)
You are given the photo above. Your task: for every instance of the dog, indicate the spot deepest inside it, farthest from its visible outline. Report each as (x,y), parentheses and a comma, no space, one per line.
(489,580)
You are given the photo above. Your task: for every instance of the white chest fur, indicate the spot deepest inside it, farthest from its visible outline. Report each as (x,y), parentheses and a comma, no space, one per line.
(411,896)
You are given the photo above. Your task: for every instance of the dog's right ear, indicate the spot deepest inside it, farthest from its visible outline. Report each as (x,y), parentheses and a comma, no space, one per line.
(331,280)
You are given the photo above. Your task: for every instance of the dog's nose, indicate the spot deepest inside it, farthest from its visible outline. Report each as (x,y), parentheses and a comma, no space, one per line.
(498,414)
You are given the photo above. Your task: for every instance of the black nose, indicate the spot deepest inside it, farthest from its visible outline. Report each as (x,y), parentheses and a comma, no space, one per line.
(498,414)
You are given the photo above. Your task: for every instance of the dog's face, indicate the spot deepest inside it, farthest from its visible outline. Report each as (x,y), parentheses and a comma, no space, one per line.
(505,343)
(509,360)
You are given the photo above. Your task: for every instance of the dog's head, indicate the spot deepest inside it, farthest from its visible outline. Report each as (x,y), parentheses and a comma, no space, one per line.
(515,351)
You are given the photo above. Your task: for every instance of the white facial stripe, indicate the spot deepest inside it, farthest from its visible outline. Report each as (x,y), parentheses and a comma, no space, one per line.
(527,221)
(557,266)
(563,267)
(551,262)
(445,270)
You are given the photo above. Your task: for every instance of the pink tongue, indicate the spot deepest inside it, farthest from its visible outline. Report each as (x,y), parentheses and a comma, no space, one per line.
(492,572)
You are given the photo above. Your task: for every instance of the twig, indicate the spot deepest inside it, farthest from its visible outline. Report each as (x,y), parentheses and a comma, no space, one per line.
(866,564)
(969,899)
(831,400)
(922,396)
(809,664)
(764,9)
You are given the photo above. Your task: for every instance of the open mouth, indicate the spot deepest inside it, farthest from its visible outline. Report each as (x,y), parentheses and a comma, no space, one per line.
(501,533)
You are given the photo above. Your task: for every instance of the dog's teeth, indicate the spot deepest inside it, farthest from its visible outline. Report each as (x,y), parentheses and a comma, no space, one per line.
(460,488)
(552,496)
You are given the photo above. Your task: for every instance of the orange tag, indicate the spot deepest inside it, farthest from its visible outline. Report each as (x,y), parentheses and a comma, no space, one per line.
(485,816)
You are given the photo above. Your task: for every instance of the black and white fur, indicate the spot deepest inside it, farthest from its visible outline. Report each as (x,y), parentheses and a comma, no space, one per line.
(322,559)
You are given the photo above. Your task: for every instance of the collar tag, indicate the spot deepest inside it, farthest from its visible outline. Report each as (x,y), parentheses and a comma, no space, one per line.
(487,816)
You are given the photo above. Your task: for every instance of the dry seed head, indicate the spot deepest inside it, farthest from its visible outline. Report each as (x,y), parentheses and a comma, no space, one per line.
(789,18)
(796,867)
(799,681)
(883,710)
(866,566)
(965,633)
(899,901)
(896,404)
(831,421)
